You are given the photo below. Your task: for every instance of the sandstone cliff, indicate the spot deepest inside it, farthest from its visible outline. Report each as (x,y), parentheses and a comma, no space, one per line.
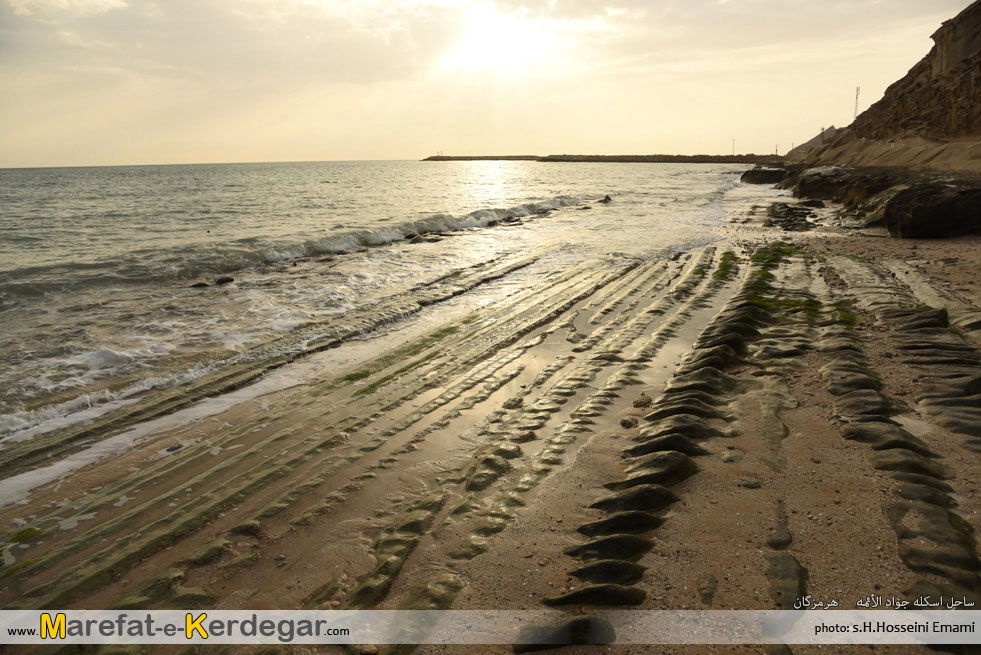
(929,119)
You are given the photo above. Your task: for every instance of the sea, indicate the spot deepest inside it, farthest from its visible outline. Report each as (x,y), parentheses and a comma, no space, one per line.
(109,275)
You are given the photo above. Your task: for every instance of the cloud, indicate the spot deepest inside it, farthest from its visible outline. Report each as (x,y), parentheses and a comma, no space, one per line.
(742,23)
(31,7)
(224,41)
(267,43)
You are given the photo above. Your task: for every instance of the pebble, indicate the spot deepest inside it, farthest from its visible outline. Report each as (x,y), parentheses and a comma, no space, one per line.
(643,401)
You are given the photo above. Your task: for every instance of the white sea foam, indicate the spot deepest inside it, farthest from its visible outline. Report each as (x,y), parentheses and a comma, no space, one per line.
(21,426)
(381,237)
(235,340)
(102,359)
(285,254)
(71,523)
(285,320)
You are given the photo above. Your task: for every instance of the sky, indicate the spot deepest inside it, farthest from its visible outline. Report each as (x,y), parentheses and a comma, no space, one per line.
(113,82)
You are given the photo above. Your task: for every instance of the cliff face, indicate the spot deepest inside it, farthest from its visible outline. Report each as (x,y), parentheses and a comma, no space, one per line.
(940,97)
(956,40)
(931,118)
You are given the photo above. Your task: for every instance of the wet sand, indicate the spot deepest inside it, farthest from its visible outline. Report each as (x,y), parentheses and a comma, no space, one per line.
(775,415)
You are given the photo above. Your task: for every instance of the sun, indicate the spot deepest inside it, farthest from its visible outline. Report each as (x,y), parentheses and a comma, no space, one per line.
(499,43)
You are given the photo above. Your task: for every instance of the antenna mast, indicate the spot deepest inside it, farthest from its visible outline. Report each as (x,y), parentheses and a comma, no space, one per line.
(858,90)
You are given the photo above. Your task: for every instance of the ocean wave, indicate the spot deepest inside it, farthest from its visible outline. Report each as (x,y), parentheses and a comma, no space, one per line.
(148,266)
(22,425)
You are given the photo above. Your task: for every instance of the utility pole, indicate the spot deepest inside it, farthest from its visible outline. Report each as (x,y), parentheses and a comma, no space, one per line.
(734,147)
(858,90)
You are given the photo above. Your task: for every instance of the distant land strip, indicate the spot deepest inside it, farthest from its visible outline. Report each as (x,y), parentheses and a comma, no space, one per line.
(644,159)
(485,158)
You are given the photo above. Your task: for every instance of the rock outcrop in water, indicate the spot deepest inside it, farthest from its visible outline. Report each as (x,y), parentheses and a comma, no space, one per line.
(929,119)
(764,175)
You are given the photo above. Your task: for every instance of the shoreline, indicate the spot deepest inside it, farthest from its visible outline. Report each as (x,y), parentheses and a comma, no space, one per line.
(771,415)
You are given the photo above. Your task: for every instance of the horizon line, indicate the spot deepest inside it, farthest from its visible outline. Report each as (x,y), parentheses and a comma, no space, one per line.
(319,161)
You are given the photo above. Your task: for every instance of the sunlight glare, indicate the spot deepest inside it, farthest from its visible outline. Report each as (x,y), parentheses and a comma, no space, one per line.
(499,43)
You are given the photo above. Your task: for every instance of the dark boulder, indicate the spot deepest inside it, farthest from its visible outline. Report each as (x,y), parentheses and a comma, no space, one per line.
(934,210)
(424,238)
(763,175)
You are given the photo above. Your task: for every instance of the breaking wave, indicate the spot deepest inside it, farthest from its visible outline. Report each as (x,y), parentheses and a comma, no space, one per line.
(143,266)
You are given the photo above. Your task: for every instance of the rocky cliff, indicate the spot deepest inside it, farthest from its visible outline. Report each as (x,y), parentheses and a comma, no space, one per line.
(929,119)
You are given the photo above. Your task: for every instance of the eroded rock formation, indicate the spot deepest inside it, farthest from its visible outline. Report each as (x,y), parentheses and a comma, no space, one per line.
(929,119)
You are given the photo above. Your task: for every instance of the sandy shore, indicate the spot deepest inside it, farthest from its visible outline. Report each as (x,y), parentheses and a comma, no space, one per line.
(774,415)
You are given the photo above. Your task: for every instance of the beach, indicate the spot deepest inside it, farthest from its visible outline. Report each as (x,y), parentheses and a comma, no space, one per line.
(737,424)
(479,328)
